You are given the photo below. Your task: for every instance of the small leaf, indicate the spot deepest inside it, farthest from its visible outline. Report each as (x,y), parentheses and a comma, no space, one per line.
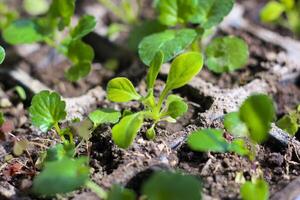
(289,124)
(78,71)
(85,25)
(176,106)
(119,193)
(255,191)
(36,7)
(121,90)
(46,110)
(289,4)
(208,140)
(257,112)
(103,116)
(183,69)
(126,130)
(22,31)
(272,11)
(170,42)
(226,54)
(59,152)
(61,176)
(2,119)
(20,146)
(154,69)
(234,125)
(62,10)
(150,133)
(2,54)
(166,185)
(80,52)
(238,146)
(21,92)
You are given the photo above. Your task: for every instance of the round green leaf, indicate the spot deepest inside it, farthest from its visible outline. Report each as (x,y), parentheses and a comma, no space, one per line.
(272,11)
(257,112)
(78,71)
(226,54)
(85,25)
(2,54)
(61,176)
(79,52)
(36,7)
(170,42)
(255,191)
(23,31)
(234,125)
(289,124)
(46,110)
(176,106)
(106,115)
(172,186)
(126,130)
(121,90)
(183,69)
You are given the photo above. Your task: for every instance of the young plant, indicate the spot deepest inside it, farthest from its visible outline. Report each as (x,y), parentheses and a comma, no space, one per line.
(290,122)
(257,189)
(50,28)
(285,13)
(223,54)
(166,108)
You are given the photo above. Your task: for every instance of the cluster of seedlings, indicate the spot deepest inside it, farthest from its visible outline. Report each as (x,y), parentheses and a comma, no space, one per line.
(176,35)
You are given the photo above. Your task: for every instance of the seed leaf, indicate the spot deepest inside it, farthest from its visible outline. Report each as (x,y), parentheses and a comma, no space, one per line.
(126,130)
(234,125)
(226,54)
(120,193)
(176,106)
(257,112)
(154,69)
(255,191)
(183,69)
(61,176)
(85,25)
(22,31)
(46,110)
(289,123)
(103,116)
(121,90)
(170,42)
(272,11)
(2,54)
(175,186)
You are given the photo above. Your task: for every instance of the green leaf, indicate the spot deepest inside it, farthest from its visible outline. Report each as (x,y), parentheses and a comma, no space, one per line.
(61,176)
(2,118)
(21,92)
(63,10)
(208,140)
(173,12)
(150,133)
(22,31)
(80,52)
(59,152)
(175,186)
(119,193)
(2,54)
(255,191)
(83,128)
(154,69)
(126,130)
(226,54)
(257,112)
(272,11)
(36,7)
(239,146)
(170,42)
(289,4)
(234,125)
(105,115)
(183,69)
(289,124)
(121,90)
(85,25)
(46,110)
(176,106)
(211,13)
(78,71)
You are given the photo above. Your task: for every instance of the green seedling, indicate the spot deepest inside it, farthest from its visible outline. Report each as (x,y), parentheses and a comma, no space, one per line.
(255,190)
(51,28)
(290,122)
(252,121)
(223,54)
(284,13)
(166,108)
(7,15)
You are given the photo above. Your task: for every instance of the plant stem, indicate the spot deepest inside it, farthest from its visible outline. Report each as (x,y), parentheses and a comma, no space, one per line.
(162,98)
(96,189)
(59,132)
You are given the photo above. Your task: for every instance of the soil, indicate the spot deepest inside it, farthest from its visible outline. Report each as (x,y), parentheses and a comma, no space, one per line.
(279,163)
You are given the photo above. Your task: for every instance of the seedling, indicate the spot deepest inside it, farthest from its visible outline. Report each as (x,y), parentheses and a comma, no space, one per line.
(284,13)
(166,108)
(50,29)
(255,190)
(290,122)
(252,121)
(223,54)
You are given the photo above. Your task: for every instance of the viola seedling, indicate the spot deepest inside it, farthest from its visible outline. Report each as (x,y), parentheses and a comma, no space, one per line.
(51,28)
(166,108)
(290,122)
(223,54)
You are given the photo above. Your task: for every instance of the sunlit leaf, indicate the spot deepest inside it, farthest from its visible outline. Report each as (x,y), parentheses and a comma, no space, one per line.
(255,191)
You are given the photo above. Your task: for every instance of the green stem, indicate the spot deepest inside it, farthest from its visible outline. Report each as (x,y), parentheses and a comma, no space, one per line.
(59,132)
(96,189)
(162,98)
